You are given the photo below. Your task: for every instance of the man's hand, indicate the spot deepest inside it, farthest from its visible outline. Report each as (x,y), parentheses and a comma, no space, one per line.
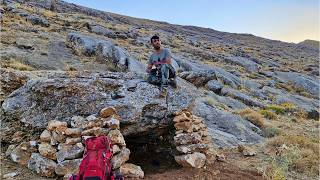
(168,61)
(149,67)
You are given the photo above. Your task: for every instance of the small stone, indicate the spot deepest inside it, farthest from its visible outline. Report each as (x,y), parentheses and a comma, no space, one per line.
(247,151)
(20,154)
(131,171)
(96,131)
(33,146)
(179,132)
(45,136)
(43,166)
(69,152)
(10,149)
(193,148)
(47,151)
(120,158)
(196,120)
(58,136)
(115,149)
(73,132)
(57,126)
(17,137)
(67,176)
(116,137)
(71,141)
(178,113)
(181,118)
(204,133)
(53,142)
(68,167)
(113,123)
(185,126)
(108,111)
(77,121)
(196,160)
(220,157)
(91,118)
(10,175)
(192,138)
(92,124)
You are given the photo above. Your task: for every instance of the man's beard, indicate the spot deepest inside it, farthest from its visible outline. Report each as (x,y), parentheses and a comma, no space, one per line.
(156,47)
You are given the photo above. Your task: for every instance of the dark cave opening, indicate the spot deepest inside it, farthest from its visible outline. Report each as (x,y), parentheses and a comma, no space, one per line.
(153,152)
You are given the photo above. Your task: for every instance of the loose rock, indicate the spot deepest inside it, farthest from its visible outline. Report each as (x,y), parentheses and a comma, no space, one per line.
(41,165)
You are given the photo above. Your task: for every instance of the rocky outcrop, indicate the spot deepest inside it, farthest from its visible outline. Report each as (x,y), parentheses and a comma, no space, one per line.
(242,97)
(300,81)
(226,129)
(311,106)
(37,20)
(141,108)
(105,51)
(201,77)
(248,64)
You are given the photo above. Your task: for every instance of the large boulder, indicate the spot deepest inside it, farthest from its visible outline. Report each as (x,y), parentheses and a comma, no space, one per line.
(247,63)
(98,29)
(82,44)
(61,97)
(105,51)
(37,20)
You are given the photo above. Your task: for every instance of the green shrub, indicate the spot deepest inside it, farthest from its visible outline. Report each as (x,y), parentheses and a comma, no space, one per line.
(271,132)
(276,108)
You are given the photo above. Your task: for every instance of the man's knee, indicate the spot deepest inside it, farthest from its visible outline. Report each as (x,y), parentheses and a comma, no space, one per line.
(152,79)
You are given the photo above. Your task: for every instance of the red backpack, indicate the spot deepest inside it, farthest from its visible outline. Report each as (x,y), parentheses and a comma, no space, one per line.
(95,164)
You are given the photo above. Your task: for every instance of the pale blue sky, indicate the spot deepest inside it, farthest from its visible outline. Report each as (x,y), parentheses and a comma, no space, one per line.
(285,20)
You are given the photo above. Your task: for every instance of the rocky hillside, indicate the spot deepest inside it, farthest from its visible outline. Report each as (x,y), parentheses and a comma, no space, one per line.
(59,60)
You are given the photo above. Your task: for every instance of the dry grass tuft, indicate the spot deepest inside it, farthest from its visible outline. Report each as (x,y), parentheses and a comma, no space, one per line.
(253,116)
(268,114)
(301,154)
(17,65)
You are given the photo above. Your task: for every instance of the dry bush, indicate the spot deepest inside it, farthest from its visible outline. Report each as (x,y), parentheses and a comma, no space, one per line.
(17,65)
(276,108)
(48,14)
(253,116)
(271,132)
(302,154)
(268,114)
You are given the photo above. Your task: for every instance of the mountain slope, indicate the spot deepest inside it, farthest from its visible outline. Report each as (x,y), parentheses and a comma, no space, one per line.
(62,60)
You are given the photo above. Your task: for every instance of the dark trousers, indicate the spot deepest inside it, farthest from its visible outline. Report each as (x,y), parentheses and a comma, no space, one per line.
(159,76)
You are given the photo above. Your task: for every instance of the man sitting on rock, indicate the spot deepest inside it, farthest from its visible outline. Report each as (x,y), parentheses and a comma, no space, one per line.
(159,67)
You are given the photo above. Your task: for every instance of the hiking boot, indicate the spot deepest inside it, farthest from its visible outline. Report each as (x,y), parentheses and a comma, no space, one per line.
(163,92)
(173,82)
